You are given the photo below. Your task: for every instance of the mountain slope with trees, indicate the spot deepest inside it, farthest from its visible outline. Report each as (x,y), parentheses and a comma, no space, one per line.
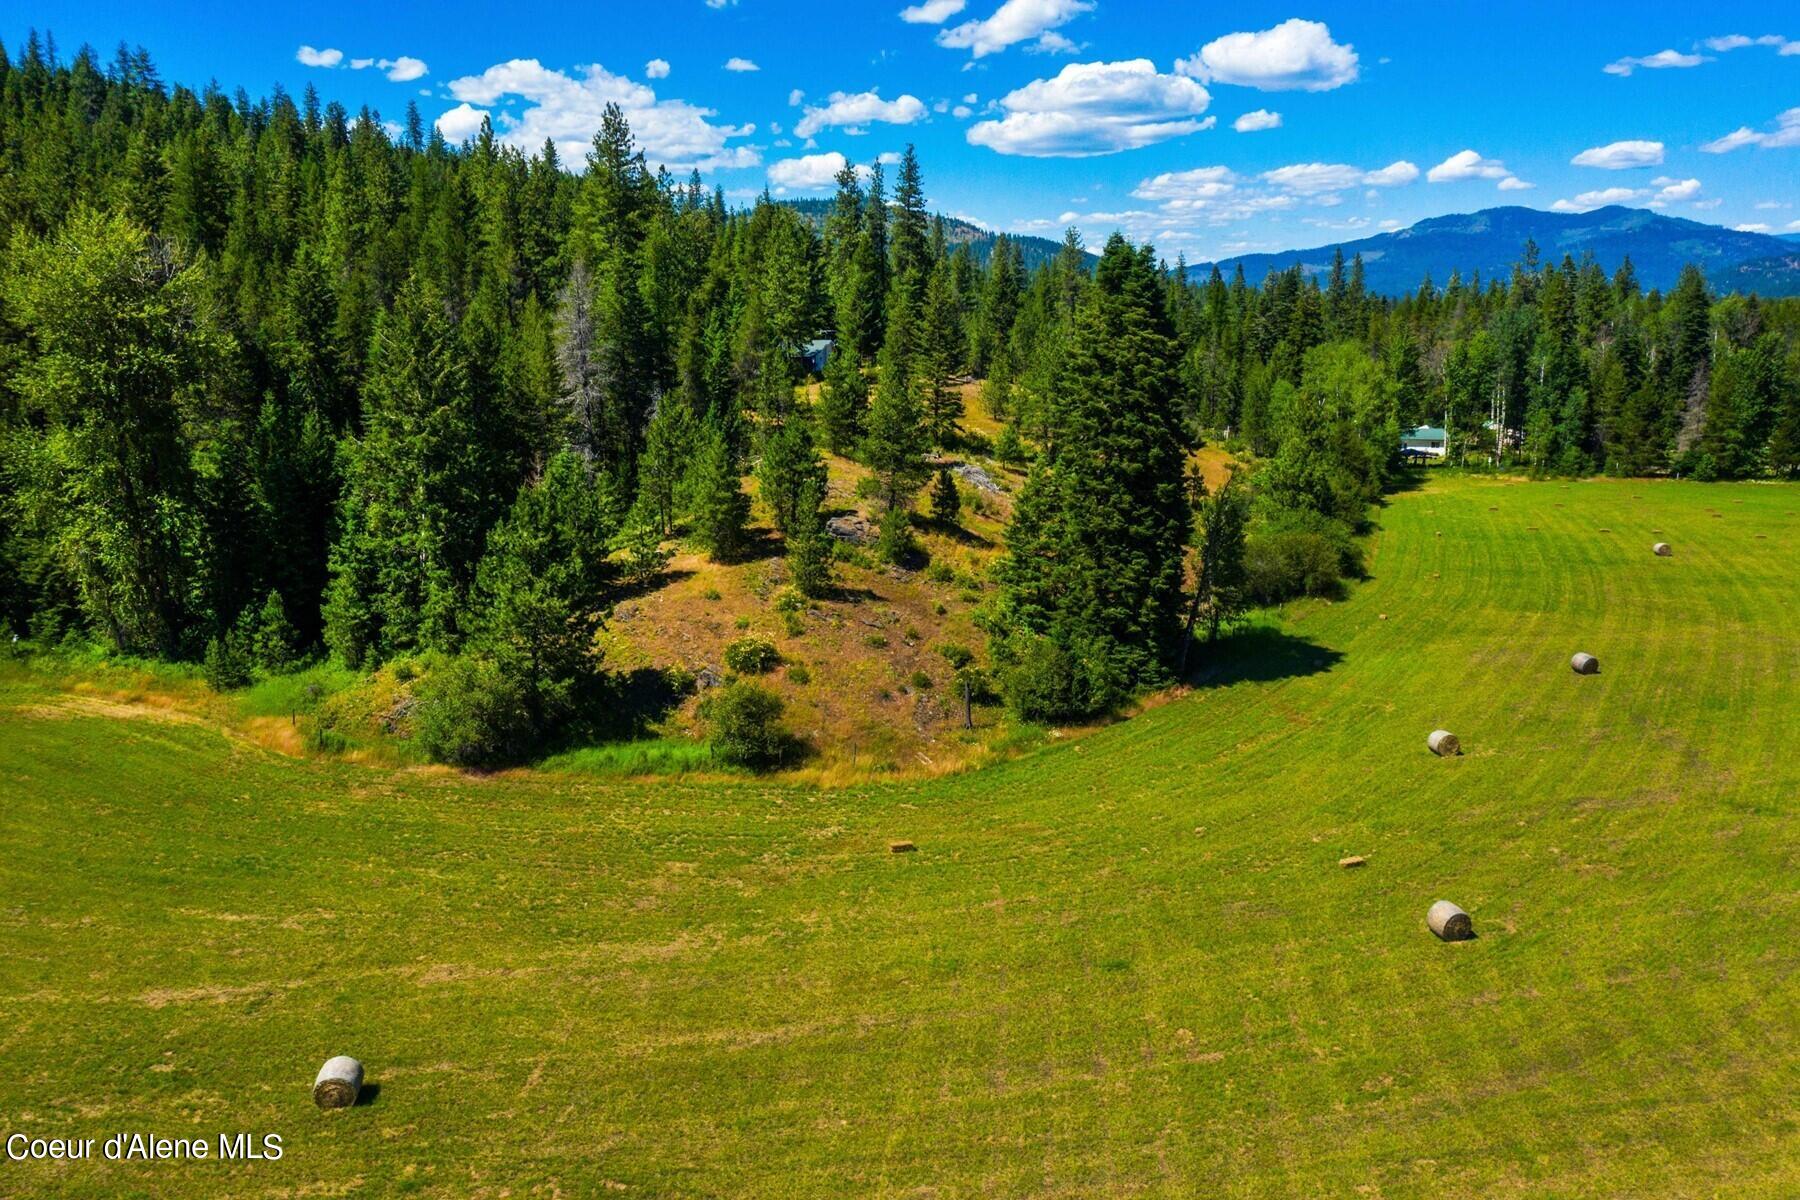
(277,385)
(1484,245)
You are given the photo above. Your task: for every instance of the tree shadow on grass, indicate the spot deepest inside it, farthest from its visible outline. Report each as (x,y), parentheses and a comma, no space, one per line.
(634,588)
(962,536)
(628,705)
(1258,654)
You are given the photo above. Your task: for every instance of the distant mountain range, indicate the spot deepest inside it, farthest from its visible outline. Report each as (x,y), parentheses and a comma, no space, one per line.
(1036,251)
(1490,241)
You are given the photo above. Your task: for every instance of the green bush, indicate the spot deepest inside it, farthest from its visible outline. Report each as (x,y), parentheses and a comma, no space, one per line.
(921,681)
(471,713)
(799,674)
(745,721)
(1044,681)
(957,656)
(1282,565)
(752,655)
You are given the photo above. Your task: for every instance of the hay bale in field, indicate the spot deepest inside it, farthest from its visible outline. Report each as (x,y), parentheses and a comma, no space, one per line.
(1355,860)
(901,847)
(1443,743)
(339,1081)
(1662,550)
(1449,922)
(1585,664)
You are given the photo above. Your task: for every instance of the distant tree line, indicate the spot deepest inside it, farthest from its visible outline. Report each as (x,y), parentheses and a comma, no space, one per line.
(276,381)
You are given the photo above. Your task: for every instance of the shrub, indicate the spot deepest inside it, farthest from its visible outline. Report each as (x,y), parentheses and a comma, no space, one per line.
(471,713)
(957,656)
(1045,681)
(799,674)
(752,655)
(1281,565)
(745,719)
(711,593)
(921,681)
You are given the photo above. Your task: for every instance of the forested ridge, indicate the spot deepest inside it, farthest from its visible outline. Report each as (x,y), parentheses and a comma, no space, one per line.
(276,381)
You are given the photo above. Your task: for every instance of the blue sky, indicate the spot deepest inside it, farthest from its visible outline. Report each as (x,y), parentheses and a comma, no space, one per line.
(1208,129)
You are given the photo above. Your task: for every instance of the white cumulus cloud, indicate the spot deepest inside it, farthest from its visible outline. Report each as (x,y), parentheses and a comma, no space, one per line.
(1315,179)
(1587,201)
(1392,175)
(1662,60)
(1013,22)
(1096,108)
(1296,55)
(1785,133)
(657,68)
(566,109)
(855,111)
(1262,118)
(735,63)
(808,173)
(932,12)
(1673,191)
(462,123)
(1620,156)
(1466,164)
(404,69)
(309,57)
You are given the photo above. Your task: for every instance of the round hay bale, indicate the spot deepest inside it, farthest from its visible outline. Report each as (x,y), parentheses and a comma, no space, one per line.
(1585,664)
(1449,922)
(1443,743)
(1662,549)
(339,1081)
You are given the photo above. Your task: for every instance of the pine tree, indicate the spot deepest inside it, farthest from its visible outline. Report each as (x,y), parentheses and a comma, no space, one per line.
(843,401)
(895,443)
(720,508)
(809,544)
(541,588)
(789,464)
(668,449)
(1094,553)
(946,503)
(1222,520)
(940,339)
(911,250)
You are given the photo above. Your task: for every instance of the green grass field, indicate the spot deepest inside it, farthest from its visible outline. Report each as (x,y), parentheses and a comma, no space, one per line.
(1125,965)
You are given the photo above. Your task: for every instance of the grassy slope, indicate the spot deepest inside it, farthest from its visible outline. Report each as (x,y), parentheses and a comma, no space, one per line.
(1127,965)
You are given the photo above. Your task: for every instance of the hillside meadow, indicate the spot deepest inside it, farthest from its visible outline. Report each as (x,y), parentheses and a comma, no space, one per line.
(1126,964)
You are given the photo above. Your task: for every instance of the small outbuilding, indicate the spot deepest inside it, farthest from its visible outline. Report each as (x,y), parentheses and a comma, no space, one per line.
(814,355)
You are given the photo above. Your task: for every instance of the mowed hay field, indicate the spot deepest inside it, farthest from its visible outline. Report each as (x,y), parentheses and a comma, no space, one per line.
(1125,965)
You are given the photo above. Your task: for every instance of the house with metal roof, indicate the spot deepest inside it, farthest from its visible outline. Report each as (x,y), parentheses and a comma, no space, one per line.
(1423,441)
